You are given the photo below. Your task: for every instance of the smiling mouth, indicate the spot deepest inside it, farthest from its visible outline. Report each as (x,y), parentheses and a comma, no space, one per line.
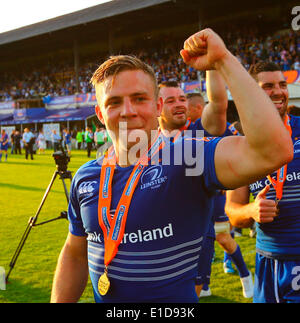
(279,103)
(179,113)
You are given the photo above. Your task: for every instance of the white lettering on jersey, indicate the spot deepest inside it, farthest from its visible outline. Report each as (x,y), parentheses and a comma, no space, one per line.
(148,235)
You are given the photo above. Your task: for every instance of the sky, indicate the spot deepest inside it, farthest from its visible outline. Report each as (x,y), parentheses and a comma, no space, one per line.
(19,13)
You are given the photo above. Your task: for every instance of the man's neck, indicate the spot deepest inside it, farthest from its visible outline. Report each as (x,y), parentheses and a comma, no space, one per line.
(169,130)
(124,159)
(129,156)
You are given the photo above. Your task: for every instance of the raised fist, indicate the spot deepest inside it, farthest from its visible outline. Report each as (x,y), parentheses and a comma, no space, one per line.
(203,50)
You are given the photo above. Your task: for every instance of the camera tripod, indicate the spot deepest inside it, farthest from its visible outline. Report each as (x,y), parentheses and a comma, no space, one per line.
(64,174)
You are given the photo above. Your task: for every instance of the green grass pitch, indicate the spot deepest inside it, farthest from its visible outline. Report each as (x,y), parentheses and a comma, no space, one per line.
(22,186)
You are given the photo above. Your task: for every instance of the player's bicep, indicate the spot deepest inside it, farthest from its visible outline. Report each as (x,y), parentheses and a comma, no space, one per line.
(236,163)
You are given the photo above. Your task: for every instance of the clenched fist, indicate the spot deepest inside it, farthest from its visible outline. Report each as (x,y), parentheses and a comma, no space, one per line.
(204,50)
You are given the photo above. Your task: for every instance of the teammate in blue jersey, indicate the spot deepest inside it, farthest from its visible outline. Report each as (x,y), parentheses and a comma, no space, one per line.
(183,114)
(175,109)
(278,217)
(134,226)
(220,227)
(3,144)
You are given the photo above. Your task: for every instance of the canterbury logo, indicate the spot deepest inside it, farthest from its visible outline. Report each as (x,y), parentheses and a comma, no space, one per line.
(87,187)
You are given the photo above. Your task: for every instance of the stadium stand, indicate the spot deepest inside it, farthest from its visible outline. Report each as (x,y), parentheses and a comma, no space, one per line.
(53,63)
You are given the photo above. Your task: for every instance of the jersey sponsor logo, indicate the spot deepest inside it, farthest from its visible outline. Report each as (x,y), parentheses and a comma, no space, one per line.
(148,235)
(297,147)
(139,236)
(95,237)
(259,185)
(152,177)
(87,188)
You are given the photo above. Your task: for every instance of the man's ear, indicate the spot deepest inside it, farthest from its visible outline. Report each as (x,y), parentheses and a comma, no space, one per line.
(99,114)
(159,106)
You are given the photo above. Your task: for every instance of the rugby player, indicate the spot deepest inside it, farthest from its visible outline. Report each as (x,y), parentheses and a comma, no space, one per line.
(3,144)
(174,115)
(276,207)
(155,259)
(220,227)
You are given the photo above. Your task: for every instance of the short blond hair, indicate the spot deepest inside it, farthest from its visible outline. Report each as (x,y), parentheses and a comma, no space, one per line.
(120,63)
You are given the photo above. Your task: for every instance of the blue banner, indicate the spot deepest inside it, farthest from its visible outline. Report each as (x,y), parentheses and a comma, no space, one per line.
(70,101)
(20,114)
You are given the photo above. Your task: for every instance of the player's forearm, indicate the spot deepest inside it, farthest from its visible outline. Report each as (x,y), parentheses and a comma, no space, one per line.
(216,91)
(70,279)
(240,215)
(262,125)
(214,114)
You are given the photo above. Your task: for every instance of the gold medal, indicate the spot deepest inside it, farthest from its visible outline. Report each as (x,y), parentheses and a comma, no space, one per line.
(103,283)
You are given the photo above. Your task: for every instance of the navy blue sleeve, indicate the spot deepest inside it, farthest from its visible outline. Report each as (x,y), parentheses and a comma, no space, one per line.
(199,160)
(230,131)
(74,216)
(210,177)
(197,125)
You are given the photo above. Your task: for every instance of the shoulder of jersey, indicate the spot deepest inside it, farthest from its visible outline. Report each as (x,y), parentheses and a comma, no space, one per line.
(88,167)
(295,122)
(197,125)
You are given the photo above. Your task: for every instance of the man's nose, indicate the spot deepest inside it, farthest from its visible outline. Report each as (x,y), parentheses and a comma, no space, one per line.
(277,90)
(128,109)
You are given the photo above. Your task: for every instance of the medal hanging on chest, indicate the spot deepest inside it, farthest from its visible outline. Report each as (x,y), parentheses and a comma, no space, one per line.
(103,283)
(113,229)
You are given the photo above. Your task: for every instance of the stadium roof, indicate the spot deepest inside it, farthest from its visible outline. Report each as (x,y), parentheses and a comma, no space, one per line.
(102,11)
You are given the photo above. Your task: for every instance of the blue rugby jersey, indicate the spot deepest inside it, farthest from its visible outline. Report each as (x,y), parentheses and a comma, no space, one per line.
(280,239)
(4,145)
(158,258)
(219,208)
(197,125)
(219,200)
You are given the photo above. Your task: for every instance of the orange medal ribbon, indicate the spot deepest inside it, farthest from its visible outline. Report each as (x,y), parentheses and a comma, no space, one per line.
(182,129)
(113,229)
(281,173)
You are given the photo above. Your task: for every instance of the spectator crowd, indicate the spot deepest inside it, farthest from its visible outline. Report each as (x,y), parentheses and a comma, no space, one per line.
(59,79)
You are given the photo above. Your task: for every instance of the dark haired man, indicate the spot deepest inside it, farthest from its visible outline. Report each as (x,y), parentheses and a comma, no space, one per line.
(175,110)
(136,226)
(276,206)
